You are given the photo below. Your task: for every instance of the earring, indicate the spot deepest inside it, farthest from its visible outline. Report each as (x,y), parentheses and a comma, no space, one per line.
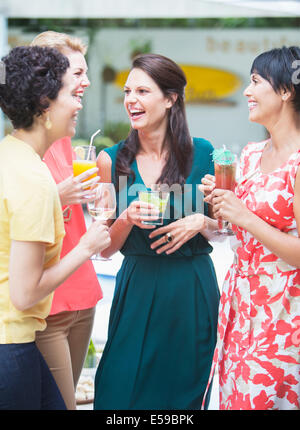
(48,123)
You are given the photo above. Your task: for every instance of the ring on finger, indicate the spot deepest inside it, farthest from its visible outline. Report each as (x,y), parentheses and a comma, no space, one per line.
(169,237)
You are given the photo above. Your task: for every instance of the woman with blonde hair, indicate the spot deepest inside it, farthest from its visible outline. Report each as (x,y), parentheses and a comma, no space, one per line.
(65,341)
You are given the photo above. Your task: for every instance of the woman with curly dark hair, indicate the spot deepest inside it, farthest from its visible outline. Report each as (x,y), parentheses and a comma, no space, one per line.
(38,97)
(64,343)
(162,328)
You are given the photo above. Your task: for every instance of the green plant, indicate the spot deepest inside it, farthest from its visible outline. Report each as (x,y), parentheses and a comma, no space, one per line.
(79,142)
(91,359)
(116,130)
(139,47)
(108,73)
(112,133)
(102,142)
(99,142)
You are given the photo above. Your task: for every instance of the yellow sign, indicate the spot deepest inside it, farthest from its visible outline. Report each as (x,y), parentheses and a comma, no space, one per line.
(204,84)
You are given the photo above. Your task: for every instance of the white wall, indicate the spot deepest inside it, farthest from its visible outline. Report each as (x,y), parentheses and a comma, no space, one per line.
(232,50)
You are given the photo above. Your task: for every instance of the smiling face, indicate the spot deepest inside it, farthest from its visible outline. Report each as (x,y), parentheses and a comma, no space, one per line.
(264,103)
(145,103)
(78,69)
(63,111)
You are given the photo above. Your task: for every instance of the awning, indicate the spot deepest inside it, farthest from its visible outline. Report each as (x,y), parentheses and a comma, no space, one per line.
(149,9)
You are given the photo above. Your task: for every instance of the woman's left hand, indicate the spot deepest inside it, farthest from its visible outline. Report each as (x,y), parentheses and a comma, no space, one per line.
(228,206)
(177,233)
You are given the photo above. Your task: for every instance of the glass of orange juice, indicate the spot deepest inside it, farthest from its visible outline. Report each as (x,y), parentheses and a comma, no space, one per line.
(85,160)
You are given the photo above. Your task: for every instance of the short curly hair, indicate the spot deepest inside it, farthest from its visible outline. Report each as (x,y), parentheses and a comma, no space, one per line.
(33,76)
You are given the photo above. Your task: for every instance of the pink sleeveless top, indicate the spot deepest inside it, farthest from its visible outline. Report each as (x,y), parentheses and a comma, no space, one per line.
(82,289)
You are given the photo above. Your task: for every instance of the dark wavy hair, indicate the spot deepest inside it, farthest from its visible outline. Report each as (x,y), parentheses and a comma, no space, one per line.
(171,80)
(33,76)
(281,68)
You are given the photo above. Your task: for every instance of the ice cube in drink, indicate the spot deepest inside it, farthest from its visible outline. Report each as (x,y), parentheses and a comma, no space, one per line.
(157,198)
(225,176)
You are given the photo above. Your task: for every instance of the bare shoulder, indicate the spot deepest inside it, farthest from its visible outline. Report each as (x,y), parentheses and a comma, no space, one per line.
(104,164)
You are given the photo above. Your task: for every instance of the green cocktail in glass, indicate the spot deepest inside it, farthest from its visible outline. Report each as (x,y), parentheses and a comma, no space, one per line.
(157,198)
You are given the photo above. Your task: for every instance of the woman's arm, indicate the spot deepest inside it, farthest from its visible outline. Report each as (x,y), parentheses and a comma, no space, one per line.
(30,283)
(285,246)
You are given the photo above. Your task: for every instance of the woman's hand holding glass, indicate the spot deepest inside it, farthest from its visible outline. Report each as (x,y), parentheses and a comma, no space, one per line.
(228,206)
(225,204)
(139,211)
(96,239)
(74,190)
(102,205)
(207,186)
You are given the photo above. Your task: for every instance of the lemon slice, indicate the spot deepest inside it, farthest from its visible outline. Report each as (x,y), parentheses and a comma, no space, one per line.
(160,204)
(80,152)
(163,204)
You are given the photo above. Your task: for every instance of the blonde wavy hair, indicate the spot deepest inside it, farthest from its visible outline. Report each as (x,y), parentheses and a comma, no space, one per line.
(59,41)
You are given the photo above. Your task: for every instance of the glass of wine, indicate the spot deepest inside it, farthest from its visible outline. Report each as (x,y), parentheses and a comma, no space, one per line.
(102,207)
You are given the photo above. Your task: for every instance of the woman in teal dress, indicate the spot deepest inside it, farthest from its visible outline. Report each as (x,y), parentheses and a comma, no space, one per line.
(163,320)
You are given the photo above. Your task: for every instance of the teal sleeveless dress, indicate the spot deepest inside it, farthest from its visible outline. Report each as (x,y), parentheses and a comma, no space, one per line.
(163,319)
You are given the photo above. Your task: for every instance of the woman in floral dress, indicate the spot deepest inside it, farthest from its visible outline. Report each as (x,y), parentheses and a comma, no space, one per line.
(258,343)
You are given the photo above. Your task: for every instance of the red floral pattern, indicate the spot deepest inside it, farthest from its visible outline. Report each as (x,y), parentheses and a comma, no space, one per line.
(258,343)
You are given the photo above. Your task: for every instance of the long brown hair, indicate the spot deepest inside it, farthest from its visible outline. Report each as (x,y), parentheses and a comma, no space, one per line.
(171,80)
